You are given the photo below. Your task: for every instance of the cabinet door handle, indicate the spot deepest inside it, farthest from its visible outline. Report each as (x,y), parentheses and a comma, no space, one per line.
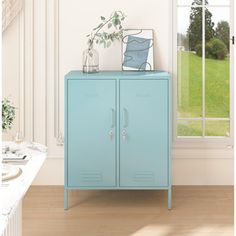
(112,118)
(125,114)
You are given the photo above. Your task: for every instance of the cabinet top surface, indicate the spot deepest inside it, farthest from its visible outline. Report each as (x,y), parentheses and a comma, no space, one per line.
(118,75)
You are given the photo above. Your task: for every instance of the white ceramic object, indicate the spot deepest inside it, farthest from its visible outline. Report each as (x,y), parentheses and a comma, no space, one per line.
(10,172)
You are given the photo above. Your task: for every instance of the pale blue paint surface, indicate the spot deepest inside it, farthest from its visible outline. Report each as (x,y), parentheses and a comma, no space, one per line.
(91,153)
(144,153)
(92,160)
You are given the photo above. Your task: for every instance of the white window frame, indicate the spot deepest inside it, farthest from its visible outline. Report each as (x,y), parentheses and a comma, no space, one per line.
(200,142)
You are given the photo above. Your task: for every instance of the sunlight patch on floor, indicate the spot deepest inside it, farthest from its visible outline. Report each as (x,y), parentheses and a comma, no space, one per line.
(163,230)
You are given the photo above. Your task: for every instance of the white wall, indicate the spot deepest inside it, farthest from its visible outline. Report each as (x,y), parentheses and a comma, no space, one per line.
(11,78)
(47,40)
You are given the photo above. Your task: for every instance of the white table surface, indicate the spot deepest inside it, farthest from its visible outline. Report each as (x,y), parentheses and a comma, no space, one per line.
(13,191)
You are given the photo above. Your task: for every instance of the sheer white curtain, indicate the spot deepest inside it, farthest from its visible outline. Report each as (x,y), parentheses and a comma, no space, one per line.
(10,9)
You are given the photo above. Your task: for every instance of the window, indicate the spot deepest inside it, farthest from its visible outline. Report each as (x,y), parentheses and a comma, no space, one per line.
(202,66)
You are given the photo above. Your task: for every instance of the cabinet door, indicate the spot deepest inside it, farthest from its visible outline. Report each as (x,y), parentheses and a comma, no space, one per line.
(91,133)
(144,133)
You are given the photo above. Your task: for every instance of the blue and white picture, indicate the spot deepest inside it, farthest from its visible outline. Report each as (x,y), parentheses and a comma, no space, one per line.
(137,50)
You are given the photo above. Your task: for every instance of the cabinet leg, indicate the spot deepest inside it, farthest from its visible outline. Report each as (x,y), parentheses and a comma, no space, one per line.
(65,199)
(169,199)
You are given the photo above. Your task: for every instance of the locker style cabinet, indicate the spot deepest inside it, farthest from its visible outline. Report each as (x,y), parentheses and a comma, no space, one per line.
(117,131)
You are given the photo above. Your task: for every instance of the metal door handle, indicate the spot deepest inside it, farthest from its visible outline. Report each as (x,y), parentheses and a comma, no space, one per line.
(112,118)
(111,134)
(125,113)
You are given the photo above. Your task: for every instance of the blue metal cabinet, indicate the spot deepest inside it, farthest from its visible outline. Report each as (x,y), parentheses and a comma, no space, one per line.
(117,131)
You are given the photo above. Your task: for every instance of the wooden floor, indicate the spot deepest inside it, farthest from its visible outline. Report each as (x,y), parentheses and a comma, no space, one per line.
(197,211)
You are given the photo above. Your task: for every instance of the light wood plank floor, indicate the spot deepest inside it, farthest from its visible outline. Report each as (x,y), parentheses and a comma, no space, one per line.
(197,211)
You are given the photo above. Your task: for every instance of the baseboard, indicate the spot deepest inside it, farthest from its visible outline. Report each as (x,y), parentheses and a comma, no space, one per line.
(193,171)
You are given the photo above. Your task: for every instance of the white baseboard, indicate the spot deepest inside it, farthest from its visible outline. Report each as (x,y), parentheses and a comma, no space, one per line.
(186,171)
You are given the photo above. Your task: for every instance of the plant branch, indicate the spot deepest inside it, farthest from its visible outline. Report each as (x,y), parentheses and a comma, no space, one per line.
(101,27)
(107,38)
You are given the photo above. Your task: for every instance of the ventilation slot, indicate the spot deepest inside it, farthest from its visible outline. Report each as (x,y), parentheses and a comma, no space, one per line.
(144,176)
(91,176)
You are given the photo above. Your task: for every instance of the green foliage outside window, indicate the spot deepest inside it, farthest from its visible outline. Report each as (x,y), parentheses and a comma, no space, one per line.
(194,33)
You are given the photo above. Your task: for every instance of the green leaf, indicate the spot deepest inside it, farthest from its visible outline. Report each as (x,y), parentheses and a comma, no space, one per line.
(109,25)
(105,35)
(108,43)
(103,18)
(116,22)
(116,15)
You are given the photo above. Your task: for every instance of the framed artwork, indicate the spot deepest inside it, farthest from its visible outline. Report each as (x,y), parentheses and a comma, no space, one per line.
(137,50)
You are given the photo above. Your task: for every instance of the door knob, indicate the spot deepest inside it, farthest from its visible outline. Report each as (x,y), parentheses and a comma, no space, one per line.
(124,134)
(111,134)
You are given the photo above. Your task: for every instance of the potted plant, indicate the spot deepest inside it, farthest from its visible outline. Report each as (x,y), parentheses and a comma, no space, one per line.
(99,36)
(8,114)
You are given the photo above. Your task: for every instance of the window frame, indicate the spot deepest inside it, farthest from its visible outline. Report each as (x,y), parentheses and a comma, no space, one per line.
(200,142)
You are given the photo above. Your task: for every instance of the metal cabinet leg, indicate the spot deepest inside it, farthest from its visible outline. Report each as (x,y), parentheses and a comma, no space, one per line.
(169,198)
(65,199)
